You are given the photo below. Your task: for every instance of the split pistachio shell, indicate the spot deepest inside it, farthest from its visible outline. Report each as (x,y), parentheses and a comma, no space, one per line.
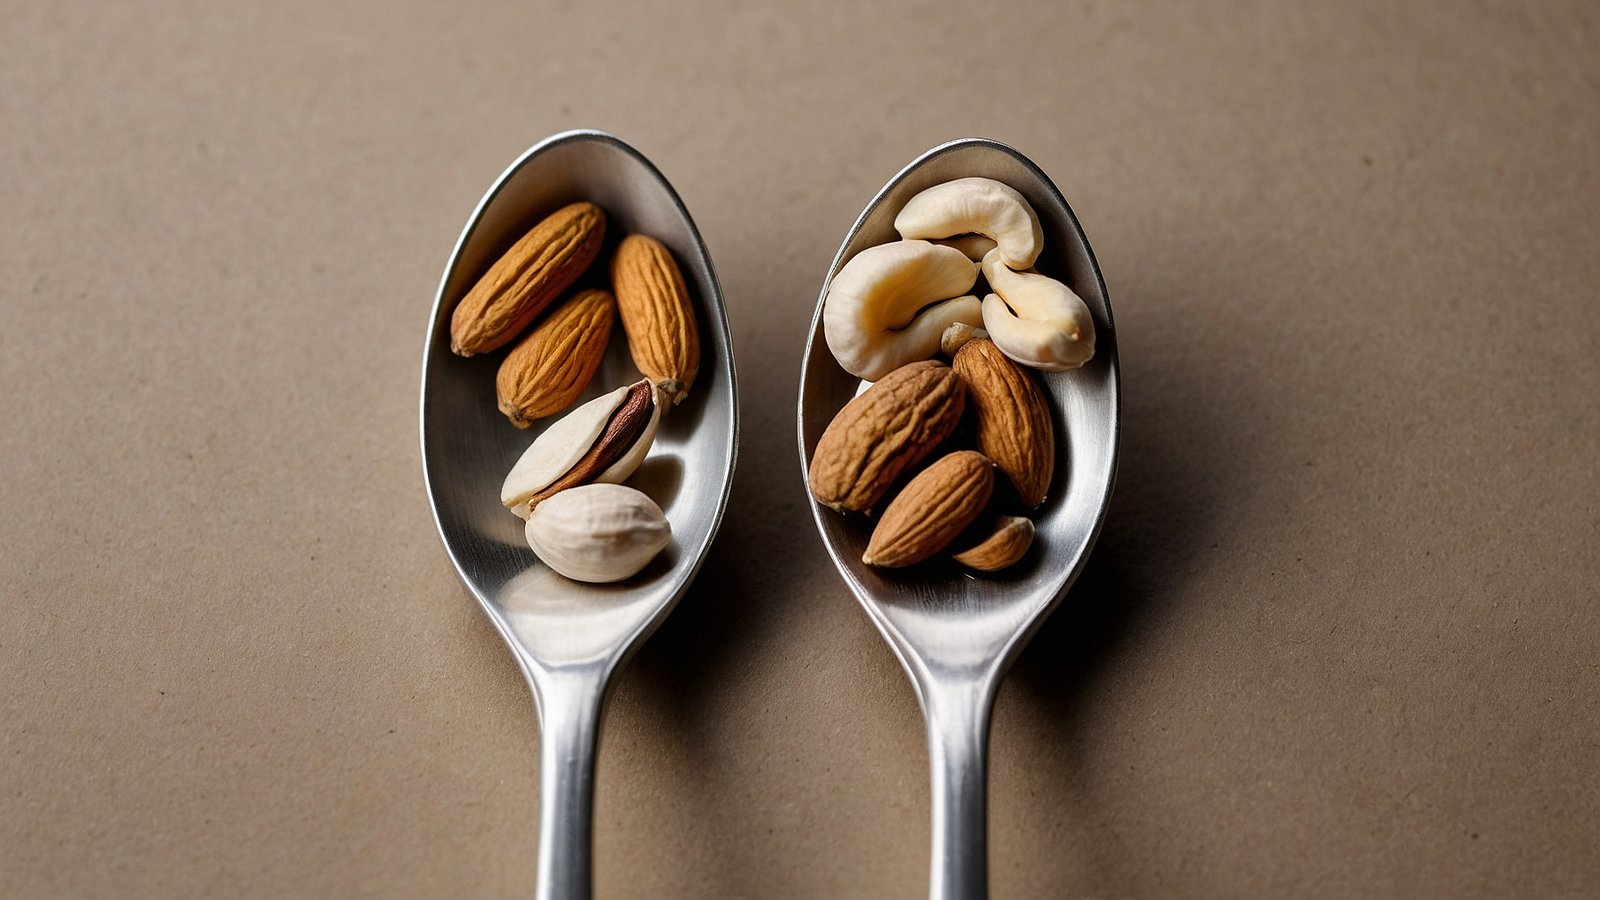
(598,533)
(890,304)
(1036,320)
(568,440)
(975,206)
(630,461)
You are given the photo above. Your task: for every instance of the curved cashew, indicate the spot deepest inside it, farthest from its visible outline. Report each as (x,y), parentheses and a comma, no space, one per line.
(975,246)
(1036,320)
(979,206)
(888,307)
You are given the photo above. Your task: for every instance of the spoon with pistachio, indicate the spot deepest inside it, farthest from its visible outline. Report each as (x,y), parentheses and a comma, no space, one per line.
(569,637)
(956,629)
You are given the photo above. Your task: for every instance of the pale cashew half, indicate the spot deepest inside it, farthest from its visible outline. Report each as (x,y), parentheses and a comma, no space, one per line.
(975,206)
(1036,320)
(890,304)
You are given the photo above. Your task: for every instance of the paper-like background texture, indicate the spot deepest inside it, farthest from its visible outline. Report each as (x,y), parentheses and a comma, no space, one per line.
(1339,637)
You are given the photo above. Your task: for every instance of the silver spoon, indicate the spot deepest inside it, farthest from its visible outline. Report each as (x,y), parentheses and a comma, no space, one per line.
(568,638)
(955,634)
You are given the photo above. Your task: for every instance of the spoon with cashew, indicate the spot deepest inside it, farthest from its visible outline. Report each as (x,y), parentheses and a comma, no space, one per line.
(569,637)
(956,633)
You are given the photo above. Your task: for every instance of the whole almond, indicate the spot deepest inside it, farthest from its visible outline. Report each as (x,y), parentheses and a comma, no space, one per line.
(1004,543)
(520,284)
(885,431)
(934,508)
(1014,426)
(656,314)
(549,368)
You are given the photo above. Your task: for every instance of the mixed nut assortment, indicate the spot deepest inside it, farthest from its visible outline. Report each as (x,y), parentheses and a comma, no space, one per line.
(581,520)
(890,310)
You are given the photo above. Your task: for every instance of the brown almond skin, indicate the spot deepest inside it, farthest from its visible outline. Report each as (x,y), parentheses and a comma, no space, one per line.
(935,507)
(619,435)
(1014,425)
(656,313)
(520,284)
(549,368)
(1006,542)
(882,433)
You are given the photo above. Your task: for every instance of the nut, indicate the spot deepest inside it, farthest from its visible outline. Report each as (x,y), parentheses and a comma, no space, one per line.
(656,314)
(977,206)
(598,533)
(933,509)
(1006,541)
(883,432)
(1036,320)
(603,440)
(890,304)
(550,367)
(1014,426)
(975,246)
(520,284)
(957,335)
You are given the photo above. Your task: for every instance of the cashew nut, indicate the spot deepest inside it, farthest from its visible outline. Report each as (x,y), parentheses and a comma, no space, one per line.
(975,246)
(980,206)
(1036,320)
(957,335)
(888,306)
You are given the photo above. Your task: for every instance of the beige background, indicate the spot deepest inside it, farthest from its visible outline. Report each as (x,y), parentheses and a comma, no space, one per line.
(1340,634)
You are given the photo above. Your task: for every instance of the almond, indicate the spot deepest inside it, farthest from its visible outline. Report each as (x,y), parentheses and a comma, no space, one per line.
(550,367)
(932,510)
(885,431)
(520,284)
(1005,542)
(656,314)
(1014,425)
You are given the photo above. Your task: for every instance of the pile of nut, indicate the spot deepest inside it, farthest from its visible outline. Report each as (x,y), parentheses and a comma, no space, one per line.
(581,520)
(894,307)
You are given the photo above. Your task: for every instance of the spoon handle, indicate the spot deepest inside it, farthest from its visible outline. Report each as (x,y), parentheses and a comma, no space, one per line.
(569,720)
(957,713)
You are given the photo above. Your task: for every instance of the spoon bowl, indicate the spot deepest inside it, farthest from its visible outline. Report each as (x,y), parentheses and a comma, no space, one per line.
(956,634)
(567,637)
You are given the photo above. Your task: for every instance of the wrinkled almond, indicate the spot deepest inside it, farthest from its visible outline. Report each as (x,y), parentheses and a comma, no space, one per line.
(520,284)
(1014,426)
(656,314)
(549,368)
(886,430)
(935,507)
(1005,543)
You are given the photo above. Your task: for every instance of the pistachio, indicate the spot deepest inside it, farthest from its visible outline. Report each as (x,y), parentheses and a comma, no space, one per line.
(598,533)
(603,440)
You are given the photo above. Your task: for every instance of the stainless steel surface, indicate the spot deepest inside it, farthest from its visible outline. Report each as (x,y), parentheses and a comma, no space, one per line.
(956,634)
(568,638)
